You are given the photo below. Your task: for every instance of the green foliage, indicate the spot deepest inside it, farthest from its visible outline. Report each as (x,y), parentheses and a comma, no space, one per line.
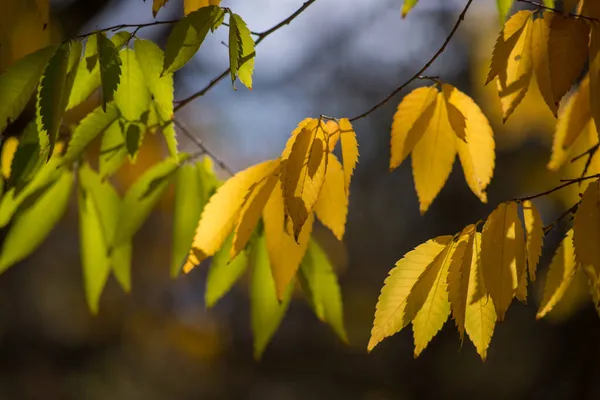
(112,150)
(241,51)
(134,135)
(109,62)
(18,83)
(33,223)
(224,272)
(29,157)
(132,96)
(187,36)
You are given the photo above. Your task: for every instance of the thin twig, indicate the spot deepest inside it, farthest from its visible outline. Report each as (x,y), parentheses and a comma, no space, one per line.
(123,26)
(552,225)
(545,7)
(202,147)
(261,36)
(567,182)
(423,69)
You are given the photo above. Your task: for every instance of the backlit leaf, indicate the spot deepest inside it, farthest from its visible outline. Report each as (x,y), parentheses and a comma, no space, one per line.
(407,6)
(541,64)
(190,6)
(266,309)
(157,5)
(134,135)
(332,205)
(151,58)
(349,151)
(534,229)
(504,7)
(9,148)
(28,158)
(390,310)
(110,67)
(112,150)
(224,272)
(241,51)
(132,96)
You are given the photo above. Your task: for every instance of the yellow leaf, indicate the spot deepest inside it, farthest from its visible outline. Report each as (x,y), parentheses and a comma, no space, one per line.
(349,151)
(418,104)
(433,156)
(480,315)
(407,6)
(190,6)
(157,5)
(332,206)
(303,124)
(390,309)
(534,231)
(506,42)
(334,133)
(8,153)
(303,173)
(455,116)
(255,202)
(586,230)
(567,53)
(513,82)
(502,255)
(284,253)
(541,64)
(222,211)
(477,153)
(458,277)
(594,74)
(427,303)
(561,273)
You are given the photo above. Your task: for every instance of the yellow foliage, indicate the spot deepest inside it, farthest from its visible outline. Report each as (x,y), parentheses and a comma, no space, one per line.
(332,206)
(534,231)
(8,153)
(541,64)
(190,6)
(503,255)
(349,151)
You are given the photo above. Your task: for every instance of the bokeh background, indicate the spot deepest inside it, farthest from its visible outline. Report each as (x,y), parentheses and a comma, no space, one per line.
(339,58)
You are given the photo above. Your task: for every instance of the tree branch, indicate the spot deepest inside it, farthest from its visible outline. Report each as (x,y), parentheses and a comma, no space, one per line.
(123,26)
(423,69)
(544,7)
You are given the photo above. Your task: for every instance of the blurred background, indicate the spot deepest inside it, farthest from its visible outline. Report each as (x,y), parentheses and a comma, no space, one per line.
(339,58)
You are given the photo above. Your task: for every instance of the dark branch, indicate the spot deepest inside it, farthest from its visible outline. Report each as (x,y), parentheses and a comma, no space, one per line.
(544,7)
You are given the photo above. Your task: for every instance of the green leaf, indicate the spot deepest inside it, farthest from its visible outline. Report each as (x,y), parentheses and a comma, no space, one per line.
(112,150)
(13,200)
(132,95)
(110,68)
(241,51)
(28,159)
(321,284)
(94,252)
(187,36)
(18,83)
(223,273)
(408,5)
(141,198)
(33,224)
(504,7)
(266,312)
(94,124)
(108,203)
(133,140)
(50,102)
(549,3)
(87,78)
(189,203)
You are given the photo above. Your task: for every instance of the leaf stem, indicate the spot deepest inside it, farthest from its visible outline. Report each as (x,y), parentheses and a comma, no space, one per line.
(423,69)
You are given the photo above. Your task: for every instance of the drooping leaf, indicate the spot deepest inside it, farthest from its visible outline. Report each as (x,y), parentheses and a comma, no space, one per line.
(568,40)
(418,104)
(28,157)
(190,6)
(254,203)
(541,63)
(502,255)
(480,315)
(476,154)
(111,68)
(285,254)
(390,310)
(241,51)
(534,229)
(187,36)
(332,205)
(560,275)
(18,82)
(134,135)
(594,73)
(266,309)
(586,230)
(433,155)
(222,211)
(157,5)
(112,150)
(132,96)
(321,284)
(349,151)
(33,224)
(407,6)
(50,103)
(303,173)
(95,123)
(224,272)
(141,197)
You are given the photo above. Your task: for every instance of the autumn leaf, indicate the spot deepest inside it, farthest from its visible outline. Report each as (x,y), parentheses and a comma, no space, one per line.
(541,63)
(349,151)
(241,51)
(504,7)
(594,74)
(190,6)
(224,272)
(407,6)
(331,207)
(534,231)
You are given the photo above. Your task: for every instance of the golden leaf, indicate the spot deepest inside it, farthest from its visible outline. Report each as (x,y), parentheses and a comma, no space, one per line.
(477,153)
(190,6)
(390,309)
(561,273)
(157,5)
(502,255)
(8,153)
(284,253)
(541,64)
(594,74)
(433,156)
(534,231)
(418,104)
(349,151)
(480,315)
(332,206)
